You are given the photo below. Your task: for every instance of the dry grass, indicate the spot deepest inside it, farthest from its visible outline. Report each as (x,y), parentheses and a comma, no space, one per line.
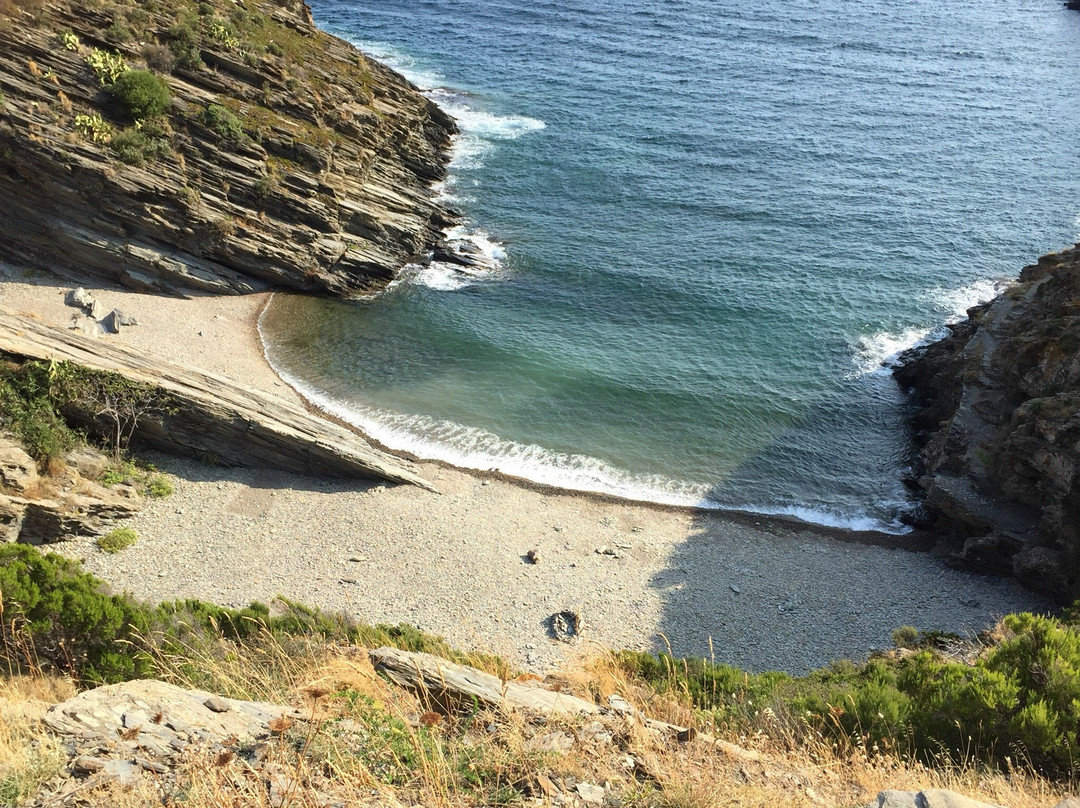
(369,743)
(28,756)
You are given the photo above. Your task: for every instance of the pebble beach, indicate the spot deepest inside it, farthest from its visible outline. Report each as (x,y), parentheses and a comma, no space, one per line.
(750,591)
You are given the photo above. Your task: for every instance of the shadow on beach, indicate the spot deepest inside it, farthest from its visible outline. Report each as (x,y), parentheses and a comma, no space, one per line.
(256,479)
(766,593)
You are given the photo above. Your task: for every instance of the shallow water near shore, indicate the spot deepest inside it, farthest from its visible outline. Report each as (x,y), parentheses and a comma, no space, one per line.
(707,225)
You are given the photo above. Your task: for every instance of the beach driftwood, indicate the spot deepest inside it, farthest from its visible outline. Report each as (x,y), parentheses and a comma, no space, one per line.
(213,417)
(449,687)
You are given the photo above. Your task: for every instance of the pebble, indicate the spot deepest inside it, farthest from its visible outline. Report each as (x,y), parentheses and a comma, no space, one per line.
(452,569)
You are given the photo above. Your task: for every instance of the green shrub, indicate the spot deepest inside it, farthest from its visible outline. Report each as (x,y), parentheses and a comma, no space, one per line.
(141,94)
(116,540)
(118,32)
(136,147)
(58,616)
(905,637)
(223,123)
(1020,700)
(159,486)
(27,410)
(184,42)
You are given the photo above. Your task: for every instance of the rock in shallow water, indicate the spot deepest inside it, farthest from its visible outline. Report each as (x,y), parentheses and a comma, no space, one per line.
(999,430)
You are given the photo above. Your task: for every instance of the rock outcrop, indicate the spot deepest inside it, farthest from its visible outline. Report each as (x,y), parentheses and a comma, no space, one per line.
(209,415)
(42,510)
(999,429)
(285,159)
(931,798)
(144,728)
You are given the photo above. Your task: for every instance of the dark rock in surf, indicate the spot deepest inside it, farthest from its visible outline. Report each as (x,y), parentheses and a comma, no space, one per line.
(998,428)
(460,252)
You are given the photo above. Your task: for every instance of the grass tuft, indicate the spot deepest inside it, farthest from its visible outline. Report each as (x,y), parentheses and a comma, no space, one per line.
(116,540)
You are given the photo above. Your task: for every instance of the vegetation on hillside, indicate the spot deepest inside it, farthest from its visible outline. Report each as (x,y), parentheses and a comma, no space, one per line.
(139,45)
(51,408)
(1013,703)
(810,737)
(1013,699)
(60,619)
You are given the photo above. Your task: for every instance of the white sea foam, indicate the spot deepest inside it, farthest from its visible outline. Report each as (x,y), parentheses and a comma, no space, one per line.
(493,251)
(444,277)
(423,77)
(880,352)
(448,192)
(480,130)
(495,127)
(480,450)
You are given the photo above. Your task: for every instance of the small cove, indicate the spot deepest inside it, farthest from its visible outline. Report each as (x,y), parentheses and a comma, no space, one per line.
(709,226)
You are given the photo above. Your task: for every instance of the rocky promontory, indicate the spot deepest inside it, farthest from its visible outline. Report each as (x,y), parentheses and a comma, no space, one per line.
(177,146)
(999,429)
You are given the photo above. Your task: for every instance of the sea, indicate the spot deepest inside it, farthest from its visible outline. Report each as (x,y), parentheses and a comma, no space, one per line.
(707,230)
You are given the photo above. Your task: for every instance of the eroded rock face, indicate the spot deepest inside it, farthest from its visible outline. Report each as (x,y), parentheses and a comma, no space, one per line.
(42,510)
(999,427)
(304,166)
(209,415)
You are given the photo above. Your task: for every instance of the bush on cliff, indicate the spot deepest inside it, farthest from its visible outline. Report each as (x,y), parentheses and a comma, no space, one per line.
(141,94)
(28,411)
(1018,702)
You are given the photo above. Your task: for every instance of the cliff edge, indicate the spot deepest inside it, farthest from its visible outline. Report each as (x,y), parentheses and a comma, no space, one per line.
(999,429)
(177,146)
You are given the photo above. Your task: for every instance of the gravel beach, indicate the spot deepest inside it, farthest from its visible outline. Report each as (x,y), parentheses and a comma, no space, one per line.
(755,592)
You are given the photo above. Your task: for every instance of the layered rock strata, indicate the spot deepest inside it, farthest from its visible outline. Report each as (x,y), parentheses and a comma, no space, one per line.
(999,429)
(36,509)
(210,416)
(286,158)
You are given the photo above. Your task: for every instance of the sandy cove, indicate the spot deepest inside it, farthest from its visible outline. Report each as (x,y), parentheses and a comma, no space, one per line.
(751,591)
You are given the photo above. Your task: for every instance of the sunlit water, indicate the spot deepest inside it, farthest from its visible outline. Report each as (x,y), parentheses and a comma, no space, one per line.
(709,224)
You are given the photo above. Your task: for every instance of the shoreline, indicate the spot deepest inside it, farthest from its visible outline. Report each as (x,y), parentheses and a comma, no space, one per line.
(764,592)
(912,538)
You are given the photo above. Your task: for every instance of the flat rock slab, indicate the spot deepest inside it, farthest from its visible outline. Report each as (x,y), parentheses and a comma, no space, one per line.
(215,417)
(448,686)
(933,798)
(150,719)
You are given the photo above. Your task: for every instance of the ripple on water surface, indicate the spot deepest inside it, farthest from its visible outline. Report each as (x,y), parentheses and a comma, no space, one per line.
(706,229)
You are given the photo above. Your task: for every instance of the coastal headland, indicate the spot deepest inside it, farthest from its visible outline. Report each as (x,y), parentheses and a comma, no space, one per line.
(249,601)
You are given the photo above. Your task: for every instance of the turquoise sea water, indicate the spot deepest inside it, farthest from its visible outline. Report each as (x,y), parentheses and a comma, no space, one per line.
(709,224)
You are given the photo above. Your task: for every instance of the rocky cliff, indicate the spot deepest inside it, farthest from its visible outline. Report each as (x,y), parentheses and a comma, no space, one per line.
(282,157)
(999,429)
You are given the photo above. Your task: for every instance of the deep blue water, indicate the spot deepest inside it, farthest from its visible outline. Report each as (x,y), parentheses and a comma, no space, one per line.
(710,223)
